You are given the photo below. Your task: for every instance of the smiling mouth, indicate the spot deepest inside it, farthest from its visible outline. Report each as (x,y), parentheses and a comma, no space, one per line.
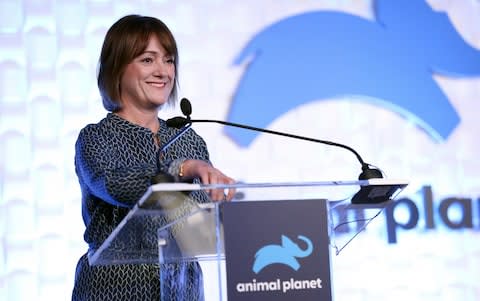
(157,84)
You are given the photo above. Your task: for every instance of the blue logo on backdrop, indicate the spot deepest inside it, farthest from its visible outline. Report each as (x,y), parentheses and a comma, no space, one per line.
(286,253)
(324,54)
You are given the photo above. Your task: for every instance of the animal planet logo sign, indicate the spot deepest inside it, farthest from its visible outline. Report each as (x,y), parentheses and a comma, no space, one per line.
(286,254)
(323,54)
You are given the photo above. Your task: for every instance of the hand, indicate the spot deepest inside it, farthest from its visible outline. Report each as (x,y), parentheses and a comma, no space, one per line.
(209,175)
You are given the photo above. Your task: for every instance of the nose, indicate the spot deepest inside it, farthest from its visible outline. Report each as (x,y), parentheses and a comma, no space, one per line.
(161,69)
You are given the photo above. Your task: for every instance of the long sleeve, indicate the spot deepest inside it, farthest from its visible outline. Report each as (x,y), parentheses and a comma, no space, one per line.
(105,169)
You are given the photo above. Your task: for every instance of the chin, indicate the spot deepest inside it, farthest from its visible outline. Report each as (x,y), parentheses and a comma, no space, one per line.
(160,103)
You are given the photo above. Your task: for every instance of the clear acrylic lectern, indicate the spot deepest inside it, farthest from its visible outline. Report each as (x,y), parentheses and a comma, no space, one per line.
(168,225)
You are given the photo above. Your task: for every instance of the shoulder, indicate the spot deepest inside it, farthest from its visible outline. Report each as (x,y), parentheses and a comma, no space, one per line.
(108,124)
(93,132)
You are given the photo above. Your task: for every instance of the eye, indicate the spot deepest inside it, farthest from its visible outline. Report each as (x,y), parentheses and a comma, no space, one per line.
(170,60)
(147,60)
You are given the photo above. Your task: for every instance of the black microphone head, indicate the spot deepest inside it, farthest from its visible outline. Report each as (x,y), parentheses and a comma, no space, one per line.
(186,107)
(177,122)
(369,173)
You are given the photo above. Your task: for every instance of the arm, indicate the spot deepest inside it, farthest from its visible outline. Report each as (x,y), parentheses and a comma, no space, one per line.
(199,166)
(102,173)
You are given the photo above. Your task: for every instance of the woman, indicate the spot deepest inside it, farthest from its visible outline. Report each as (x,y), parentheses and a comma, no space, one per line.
(117,158)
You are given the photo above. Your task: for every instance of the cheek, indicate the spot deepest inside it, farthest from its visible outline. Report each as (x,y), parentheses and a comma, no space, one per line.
(126,78)
(125,82)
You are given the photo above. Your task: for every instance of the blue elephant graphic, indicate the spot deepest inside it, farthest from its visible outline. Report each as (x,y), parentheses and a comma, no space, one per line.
(320,55)
(286,253)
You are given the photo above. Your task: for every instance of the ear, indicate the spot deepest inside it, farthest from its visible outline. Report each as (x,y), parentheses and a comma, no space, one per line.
(394,12)
(287,242)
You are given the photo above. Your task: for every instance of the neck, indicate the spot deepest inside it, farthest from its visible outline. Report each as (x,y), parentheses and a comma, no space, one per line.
(146,119)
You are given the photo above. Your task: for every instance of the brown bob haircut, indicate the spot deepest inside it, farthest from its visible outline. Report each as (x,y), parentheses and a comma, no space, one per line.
(124,41)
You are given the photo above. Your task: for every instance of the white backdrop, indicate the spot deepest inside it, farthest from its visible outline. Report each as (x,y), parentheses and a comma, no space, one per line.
(48,55)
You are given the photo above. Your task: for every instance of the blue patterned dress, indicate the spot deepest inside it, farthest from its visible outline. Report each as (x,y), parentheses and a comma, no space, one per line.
(115,161)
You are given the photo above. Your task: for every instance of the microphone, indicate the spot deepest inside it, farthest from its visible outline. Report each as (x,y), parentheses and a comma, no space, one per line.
(186,107)
(374,192)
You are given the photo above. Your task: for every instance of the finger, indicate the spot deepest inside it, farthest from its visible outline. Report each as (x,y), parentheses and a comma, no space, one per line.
(205,179)
(224,194)
(211,178)
(228,193)
(231,193)
(216,194)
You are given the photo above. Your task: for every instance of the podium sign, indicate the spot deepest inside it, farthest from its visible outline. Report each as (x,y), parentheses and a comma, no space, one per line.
(277,250)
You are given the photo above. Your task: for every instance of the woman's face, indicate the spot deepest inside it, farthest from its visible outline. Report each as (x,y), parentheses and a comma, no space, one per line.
(148,79)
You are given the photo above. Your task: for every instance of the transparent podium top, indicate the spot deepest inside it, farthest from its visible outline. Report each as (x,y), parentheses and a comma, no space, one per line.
(169,224)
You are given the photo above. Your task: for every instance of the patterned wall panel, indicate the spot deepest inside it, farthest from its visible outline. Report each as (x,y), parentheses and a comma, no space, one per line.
(48,61)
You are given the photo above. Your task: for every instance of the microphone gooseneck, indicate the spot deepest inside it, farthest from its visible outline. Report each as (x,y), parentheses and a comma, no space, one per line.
(179,122)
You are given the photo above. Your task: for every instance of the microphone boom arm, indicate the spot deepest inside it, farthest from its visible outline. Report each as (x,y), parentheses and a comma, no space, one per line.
(179,122)
(284,134)
(281,134)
